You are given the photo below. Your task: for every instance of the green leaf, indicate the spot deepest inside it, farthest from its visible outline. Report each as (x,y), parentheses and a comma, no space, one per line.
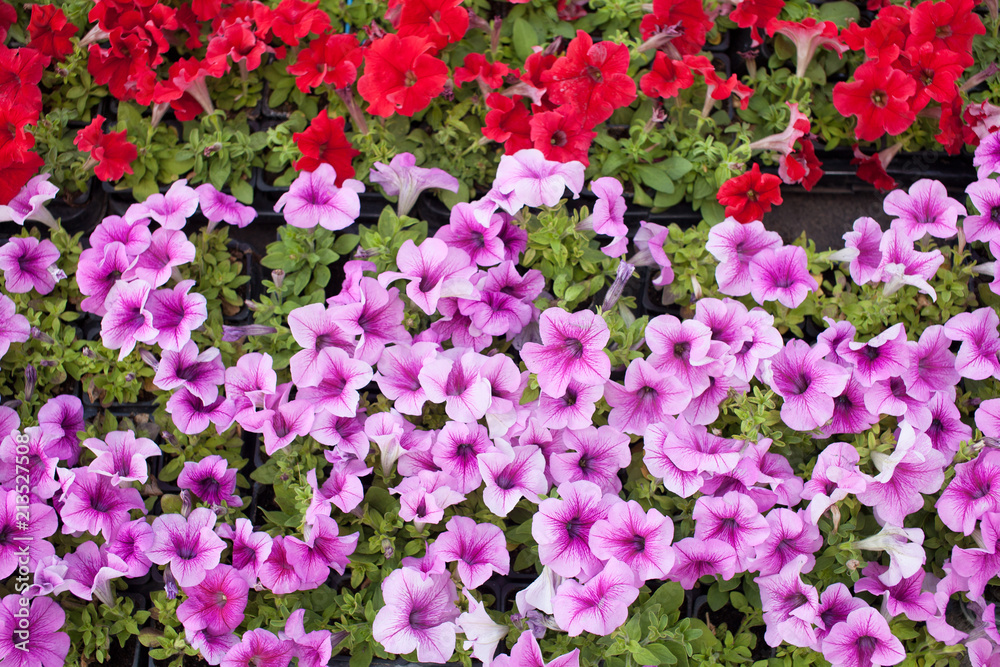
(840,13)
(242,190)
(675,167)
(670,596)
(717,598)
(655,177)
(662,655)
(361,656)
(525,37)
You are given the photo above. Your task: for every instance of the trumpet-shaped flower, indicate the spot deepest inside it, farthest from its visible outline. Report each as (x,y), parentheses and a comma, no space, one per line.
(211,479)
(681,349)
(403,179)
(835,476)
(479,549)
(201,374)
(419,614)
(572,347)
(790,535)
(424,498)
(972,493)
(259,648)
(482,634)
(781,275)
(593,454)
(985,196)
(902,264)
(511,473)
(526,653)
(639,539)
(250,549)
(61,418)
(192,415)
(791,608)
(176,313)
(454,379)
(335,390)
(168,248)
(932,364)
(24,540)
(561,527)
(95,505)
(925,209)
(696,558)
(904,546)
(977,331)
(601,605)
(97,273)
(536,181)
(863,639)
(131,542)
(217,603)
(733,519)
(376,316)
(41,622)
(25,263)
(434,270)
(220,207)
(90,570)
(807,384)
(455,451)
(314,199)
(904,598)
(128,320)
(482,243)
(189,545)
(574,409)
(121,456)
(29,202)
(734,245)
(313,649)
(862,249)
(913,468)
(646,397)
(314,328)
(173,208)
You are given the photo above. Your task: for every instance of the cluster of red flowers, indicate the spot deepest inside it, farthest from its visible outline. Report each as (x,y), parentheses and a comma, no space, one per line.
(913,56)
(110,153)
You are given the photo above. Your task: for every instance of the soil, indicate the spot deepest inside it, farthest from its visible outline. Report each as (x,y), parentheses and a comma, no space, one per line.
(122,656)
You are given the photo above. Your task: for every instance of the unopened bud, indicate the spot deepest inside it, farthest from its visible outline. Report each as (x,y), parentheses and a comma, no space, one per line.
(150,359)
(231,334)
(622,276)
(30,379)
(187,502)
(853,564)
(387,549)
(278,276)
(212,149)
(38,334)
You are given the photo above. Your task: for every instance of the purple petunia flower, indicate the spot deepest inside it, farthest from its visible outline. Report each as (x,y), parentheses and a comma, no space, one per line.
(419,614)
(130,543)
(639,539)
(601,605)
(646,397)
(173,208)
(977,331)
(402,178)
(313,649)
(561,527)
(60,419)
(835,476)
(219,207)
(932,365)
(217,603)
(314,327)
(972,493)
(608,217)
(189,545)
(593,454)
(121,456)
(250,549)
(168,248)
(987,157)
(913,468)
(134,235)
(733,519)
(455,451)
(482,243)
(176,313)
(24,543)
(191,415)
(791,608)
(682,349)
(925,209)
(90,570)
(904,265)
(512,473)
(211,646)
(31,636)
(434,270)
(128,319)
(259,648)
(376,316)
(423,498)
(26,265)
(946,429)
(93,504)
(884,356)
(201,374)
(453,378)
(906,597)
(479,548)
(985,196)
(314,199)
(572,347)
(526,653)
(906,555)
(335,386)
(536,181)
(863,639)
(862,249)
(690,447)
(649,242)
(29,202)
(835,604)
(211,479)
(790,535)
(696,558)
(574,409)
(97,273)
(28,458)
(781,275)
(807,384)
(734,245)
(482,634)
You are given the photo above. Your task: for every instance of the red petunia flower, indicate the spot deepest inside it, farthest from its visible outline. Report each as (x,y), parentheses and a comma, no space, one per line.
(801,166)
(808,35)
(948,24)
(884,38)
(935,71)
(401,76)
(15,139)
(112,152)
(475,67)
(508,122)
(330,59)
(681,23)
(239,42)
(292,20)
(592,79)
(185,89)
(124,66)
(953,134)
(561,138)
(20,73)
(749,196)
(879,97)
(667,78)
(324,142)
(571,10)
(756,14)
(872,168)
(17,174)
(443,22)
(8,17)
(50,32)
(719,88)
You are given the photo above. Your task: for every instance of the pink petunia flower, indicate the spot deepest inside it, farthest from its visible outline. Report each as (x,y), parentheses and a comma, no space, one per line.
(97,273)
(862,250)
(972,493)
(129,319)
(189,545)
(572,347)
(93,504)
(512,473)
(219,207)
(334,387)
(733,519)
(199,373)
(925,208)
(217,603)
(646,397)
(601,605)
(734,245)
(791,608)
(863,639)
(402,178)
(682,349)
(985,196)
(902,264)
(482,243)
(593,454)
(806,383)
(781,275)
(536,181)
(419,614)
(526,653)
(176,313)
(314,199)
(29,202)
(639,539)
(480,549)
(259,648)
(561,527)
(173,208)
(455,452)
(790,535)
(121,456)
(210,479)
(434,270)
(977,331)
(696,558)
(27,265)
(168,248)
(24,543)
(47,645)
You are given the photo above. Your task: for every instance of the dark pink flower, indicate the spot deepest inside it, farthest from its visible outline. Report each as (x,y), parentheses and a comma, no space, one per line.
(26,265)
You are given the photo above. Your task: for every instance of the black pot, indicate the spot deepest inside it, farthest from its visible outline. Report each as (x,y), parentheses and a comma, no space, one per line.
(251,289)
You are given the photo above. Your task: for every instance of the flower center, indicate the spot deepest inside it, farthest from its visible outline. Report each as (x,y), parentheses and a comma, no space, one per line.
(575,347)
(682,349)
(505,480)
(638,543)
(416,621)
(879,98)
(752,195)
(409,79)
(647,394)
(569,398)
(943,31)
(559,138)
(801,383)
(594,73)
(574,528)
